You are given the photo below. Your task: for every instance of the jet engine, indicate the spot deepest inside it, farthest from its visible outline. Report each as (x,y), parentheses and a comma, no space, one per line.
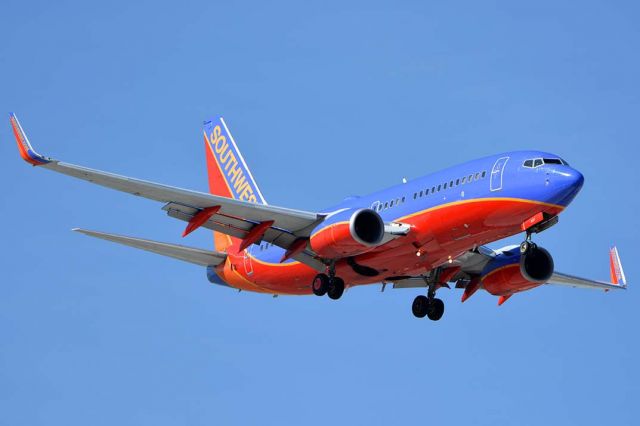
(348,233)
(511,272)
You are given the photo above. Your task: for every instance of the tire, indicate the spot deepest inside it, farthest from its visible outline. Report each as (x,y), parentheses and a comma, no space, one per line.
(320,285)
(436,310)
(336,288)
(420,306)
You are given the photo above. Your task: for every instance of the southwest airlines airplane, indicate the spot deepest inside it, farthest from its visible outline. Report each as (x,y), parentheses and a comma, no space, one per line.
(429,232)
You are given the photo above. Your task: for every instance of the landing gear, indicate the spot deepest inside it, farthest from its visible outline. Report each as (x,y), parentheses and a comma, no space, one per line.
(428,305)
(336,288)
(422,306)
(320,285)
(328,284)
(527,245)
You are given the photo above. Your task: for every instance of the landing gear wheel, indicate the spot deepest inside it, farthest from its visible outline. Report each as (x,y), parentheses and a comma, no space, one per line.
(320,285)
(420,306)
(435,310)
(527,246)
(336,288)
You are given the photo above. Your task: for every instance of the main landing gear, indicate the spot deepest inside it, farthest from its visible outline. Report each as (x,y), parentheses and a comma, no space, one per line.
(330,285)
(428,305)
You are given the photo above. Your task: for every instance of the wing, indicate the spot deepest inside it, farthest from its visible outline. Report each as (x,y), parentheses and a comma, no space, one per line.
(186,254)
(278,225)
(618,279)
(469,265)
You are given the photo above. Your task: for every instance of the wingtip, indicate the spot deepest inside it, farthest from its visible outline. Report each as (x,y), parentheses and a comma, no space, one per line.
(615,265)
(27,152)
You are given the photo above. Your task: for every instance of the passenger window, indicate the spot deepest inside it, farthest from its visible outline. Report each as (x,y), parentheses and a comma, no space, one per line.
(470,178)
(477,176)
(439,186)
(464,179)
(457,182)
(445,185)
(451,184)
(421,193)
(386,205)
(403,199)
(415,195)
(484,174)
(433,189)
(390,203)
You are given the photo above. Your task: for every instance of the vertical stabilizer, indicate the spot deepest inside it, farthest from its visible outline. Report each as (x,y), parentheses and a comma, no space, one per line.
(229,175)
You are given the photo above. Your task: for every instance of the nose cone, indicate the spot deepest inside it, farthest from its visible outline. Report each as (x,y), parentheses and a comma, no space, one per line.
(566,183)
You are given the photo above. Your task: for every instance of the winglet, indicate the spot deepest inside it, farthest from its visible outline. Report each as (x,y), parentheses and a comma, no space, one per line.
(26,151)
(615,266)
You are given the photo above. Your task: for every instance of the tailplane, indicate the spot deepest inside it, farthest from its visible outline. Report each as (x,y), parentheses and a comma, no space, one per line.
(229,175)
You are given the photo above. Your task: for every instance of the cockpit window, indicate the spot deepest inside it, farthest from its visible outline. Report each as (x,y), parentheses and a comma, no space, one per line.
(537,162)
(552,161)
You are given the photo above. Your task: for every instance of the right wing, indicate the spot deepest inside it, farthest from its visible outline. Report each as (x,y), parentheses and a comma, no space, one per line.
(186,254)
(233,217)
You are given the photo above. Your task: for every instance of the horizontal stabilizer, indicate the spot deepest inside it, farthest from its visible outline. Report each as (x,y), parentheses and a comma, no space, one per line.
(186,254)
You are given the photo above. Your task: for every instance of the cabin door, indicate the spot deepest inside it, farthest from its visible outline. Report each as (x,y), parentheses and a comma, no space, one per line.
(496,173)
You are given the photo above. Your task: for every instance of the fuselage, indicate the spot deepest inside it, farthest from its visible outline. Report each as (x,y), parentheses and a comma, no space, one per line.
(450,212)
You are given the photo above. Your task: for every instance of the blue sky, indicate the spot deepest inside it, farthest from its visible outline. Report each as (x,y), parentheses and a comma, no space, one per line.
(325,100)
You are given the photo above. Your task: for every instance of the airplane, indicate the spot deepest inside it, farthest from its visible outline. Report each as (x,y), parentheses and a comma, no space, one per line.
(430,232)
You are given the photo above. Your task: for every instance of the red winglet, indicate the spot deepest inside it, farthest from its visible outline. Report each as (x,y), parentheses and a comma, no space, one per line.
(297,247)
(255,234)
(27,152)
(199,219)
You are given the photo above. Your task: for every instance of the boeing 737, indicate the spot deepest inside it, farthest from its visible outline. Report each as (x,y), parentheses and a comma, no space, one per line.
(429,232)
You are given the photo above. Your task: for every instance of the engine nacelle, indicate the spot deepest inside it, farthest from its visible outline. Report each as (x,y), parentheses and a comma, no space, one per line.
(348,233)
(510,272)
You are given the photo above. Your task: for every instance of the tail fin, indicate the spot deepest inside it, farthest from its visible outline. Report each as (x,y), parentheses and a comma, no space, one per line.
(617,273)
(229,175)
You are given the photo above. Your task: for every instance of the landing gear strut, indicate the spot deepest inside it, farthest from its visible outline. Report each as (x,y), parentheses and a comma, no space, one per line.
(527,245)
(428,305)
(328,284)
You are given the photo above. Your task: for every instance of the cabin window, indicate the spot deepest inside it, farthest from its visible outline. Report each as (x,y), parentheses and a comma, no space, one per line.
(484,174)
(390,203)
(470,178)
(451,184)
(433,189)
(439,186)
(415,195)
(477,176)
(445,185)
(464,179)
(403,199)
(386,205)
(421,193)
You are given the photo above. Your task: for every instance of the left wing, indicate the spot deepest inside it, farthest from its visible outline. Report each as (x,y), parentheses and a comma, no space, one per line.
(278,225)
(470,265)
(618,279)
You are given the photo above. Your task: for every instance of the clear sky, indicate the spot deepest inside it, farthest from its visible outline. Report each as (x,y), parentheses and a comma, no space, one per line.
(325,100)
